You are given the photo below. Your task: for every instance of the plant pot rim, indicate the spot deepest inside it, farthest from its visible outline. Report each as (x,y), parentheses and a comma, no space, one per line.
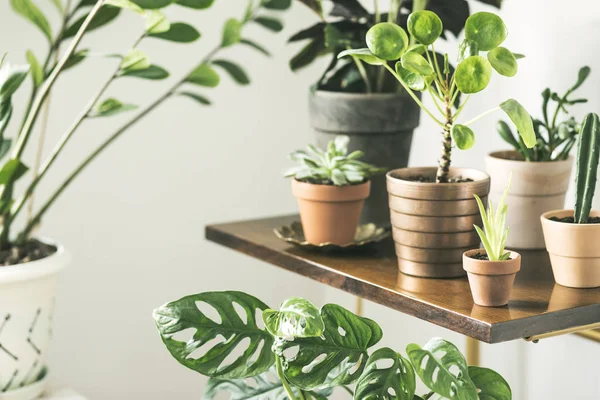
(332,186)
(330,193)
(504,267)
(483,176)
(545,218)
(497,156)
(334,94)
(36,269)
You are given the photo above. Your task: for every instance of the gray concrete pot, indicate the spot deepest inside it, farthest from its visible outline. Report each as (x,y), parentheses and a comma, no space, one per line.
(379,124)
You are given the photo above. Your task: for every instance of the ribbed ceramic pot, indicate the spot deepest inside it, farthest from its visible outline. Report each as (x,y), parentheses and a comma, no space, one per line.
(574,250)
(536,187)
(432,223)
(27,295)
(491,282)
(380,124)
(330,214)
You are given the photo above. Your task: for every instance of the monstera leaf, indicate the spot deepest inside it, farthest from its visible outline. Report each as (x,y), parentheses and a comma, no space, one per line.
(262,387)
(490,384)
(443,369)
(233,328)
(379,383)
(343,346)
(296,318)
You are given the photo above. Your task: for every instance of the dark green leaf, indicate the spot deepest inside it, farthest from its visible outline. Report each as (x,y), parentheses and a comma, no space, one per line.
(348,9)
(28,10)
(37,74)
(490,384)
(11,77)
(6,111)
(153,72)
(277,4)
(204,75)
(387,41)
(334,38)
(75,59)
(473,74)
(314,31)
(314,5)
(503,61)
(308,54)
(5,146)
(232,32)
(111,107)
(179,32)
(296,318)
(270,23)
(234,70)
(256,46)
(12,170)
(230,329)
(152,4)
(126,5)
(583,74)
(521,118)
(505,133)
(425,26)
(487,29)
(196,4)
(200,99)
(463,136)
(105,15)
(377,382)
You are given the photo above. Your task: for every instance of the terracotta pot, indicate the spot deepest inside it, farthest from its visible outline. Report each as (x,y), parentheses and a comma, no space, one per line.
(432,223)
(574,250)
(536,187)
(491,281)
(330,214)
(380,124)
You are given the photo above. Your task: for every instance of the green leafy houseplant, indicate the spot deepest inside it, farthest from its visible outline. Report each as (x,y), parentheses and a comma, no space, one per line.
(333,166)
(311,352)
(77,19)
(418,69)
(554,139)
(494,233)
(345,27)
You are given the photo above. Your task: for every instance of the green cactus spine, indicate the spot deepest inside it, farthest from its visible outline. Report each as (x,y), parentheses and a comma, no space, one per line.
(587,166)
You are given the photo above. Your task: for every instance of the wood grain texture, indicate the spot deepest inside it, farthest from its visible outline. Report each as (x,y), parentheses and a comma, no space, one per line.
(537,304)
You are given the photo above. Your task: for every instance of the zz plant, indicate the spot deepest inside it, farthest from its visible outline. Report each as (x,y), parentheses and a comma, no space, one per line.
(76,20)
(304,353)
(333,166)
(588,154)
(412,60)
(555,139)
(494,233)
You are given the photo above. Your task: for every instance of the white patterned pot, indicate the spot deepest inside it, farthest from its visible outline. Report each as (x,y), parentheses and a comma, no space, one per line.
(27,294)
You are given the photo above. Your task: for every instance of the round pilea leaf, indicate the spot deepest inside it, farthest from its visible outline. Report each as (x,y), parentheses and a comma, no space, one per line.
(473,74)
(487,29)
(387,41)
(463,136)
(503,61)
(416,63)
(412,80)
(425,26)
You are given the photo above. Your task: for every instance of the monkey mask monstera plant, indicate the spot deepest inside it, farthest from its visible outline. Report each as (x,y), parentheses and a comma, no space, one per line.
(303,353)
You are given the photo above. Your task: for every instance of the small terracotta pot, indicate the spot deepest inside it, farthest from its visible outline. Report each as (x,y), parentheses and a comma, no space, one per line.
(491,281)
(537,187)
(574,250)
(330,214)
(432,223)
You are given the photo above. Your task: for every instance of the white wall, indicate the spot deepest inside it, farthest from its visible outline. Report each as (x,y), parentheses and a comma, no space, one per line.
(134,221)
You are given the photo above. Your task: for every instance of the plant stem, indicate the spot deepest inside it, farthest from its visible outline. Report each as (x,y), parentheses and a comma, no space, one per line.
(477,118)
(442,175)
(283,379)
(363,74)
(377,13)
(428,395)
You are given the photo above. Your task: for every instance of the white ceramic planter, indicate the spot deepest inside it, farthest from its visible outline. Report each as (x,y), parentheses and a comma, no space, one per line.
(27,294)
(537,187)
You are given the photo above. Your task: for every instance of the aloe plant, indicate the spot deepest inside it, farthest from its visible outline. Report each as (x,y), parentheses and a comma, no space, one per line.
(494,233)
(411,58)
(305,352)
(333,166)
(555,138)
(587,167)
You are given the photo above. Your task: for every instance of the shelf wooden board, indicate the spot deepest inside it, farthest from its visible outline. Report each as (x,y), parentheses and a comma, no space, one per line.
(537,304)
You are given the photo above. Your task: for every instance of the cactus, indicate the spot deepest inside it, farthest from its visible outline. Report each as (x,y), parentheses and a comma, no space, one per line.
(587,166)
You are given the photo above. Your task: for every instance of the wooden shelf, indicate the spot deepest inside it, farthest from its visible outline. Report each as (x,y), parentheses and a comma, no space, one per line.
(537,304)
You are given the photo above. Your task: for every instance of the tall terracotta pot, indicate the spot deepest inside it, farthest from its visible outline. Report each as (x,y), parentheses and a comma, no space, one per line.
(432,223)
(330,214)
(380,124)
(536,187)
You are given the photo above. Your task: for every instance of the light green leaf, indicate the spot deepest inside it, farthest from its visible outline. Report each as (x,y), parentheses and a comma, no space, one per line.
(363,55)
(417,48)
(463,136)
(487,29)
(37,74)
(178,32)
(412,80)
(490,384)
(425,26)
(503,61)
(153,4)
(12,170)
(234,70)
(583,74)
(153,72)
(199,98)
(135,60)
(473,74)
(59,6)
(76,58)
(195,4)
(204,75)
(272,24)
(387,41)
(296,318)
(126,5)
(28,10)
(522,120)
(11,77)
(416,63)
(111,107)
(232,32)
(105,15)
(156,22)
(377,383)
(255,46)
(213,315)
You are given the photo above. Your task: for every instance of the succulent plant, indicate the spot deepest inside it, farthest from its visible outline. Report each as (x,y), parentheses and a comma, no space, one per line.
(333,166)
(587,166)
(494,233)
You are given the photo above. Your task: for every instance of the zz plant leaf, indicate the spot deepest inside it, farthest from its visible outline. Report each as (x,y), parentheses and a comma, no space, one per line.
(378,382)
(232,328)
